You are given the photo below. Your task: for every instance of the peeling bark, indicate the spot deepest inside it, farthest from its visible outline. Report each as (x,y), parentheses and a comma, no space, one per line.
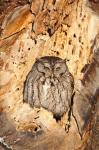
(4,144)
(32,29)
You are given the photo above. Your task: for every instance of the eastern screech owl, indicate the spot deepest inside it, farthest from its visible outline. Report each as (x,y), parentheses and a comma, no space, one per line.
(49,84)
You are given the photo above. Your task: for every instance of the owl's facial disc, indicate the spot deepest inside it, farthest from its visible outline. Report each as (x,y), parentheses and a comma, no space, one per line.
(44,68)
(60,69)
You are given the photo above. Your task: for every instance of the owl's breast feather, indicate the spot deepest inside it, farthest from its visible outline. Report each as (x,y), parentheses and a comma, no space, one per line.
(46,87)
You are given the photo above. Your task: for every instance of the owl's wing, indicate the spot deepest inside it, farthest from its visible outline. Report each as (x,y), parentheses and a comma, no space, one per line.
(69,84)
(28,86)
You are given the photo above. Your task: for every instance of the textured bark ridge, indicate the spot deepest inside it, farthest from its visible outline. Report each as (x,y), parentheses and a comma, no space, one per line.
(85,103)
(68,29)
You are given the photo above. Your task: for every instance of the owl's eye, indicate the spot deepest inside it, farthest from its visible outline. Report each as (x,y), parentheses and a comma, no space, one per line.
(62,74)
(47,68)
(58,68)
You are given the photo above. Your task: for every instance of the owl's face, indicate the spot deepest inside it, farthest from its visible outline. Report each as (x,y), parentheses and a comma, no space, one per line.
(53,67)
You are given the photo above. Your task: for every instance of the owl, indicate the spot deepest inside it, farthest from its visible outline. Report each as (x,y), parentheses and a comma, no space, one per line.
(49,84)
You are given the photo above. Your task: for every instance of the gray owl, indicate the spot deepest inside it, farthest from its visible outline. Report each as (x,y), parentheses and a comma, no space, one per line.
(49,84)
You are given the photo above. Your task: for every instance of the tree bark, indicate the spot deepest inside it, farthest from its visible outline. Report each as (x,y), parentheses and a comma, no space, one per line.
(29,30)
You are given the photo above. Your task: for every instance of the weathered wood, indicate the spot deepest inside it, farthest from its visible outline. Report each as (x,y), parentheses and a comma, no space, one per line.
(65,28)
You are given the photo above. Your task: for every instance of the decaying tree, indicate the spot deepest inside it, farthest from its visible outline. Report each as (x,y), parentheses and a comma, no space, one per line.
(31,29)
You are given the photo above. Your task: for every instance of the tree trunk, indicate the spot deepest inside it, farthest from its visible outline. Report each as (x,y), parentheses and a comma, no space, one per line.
(68,29)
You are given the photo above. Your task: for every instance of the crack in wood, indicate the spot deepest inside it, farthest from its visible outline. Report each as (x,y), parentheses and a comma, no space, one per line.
(18,32)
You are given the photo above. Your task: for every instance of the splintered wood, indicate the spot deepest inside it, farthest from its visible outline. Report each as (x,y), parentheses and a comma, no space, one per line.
(29,30)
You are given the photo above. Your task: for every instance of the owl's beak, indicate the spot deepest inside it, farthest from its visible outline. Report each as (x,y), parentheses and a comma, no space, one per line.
(52,75)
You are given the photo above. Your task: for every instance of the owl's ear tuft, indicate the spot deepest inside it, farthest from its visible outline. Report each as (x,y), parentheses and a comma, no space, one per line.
(65,60)
(38,60)
(40,66)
